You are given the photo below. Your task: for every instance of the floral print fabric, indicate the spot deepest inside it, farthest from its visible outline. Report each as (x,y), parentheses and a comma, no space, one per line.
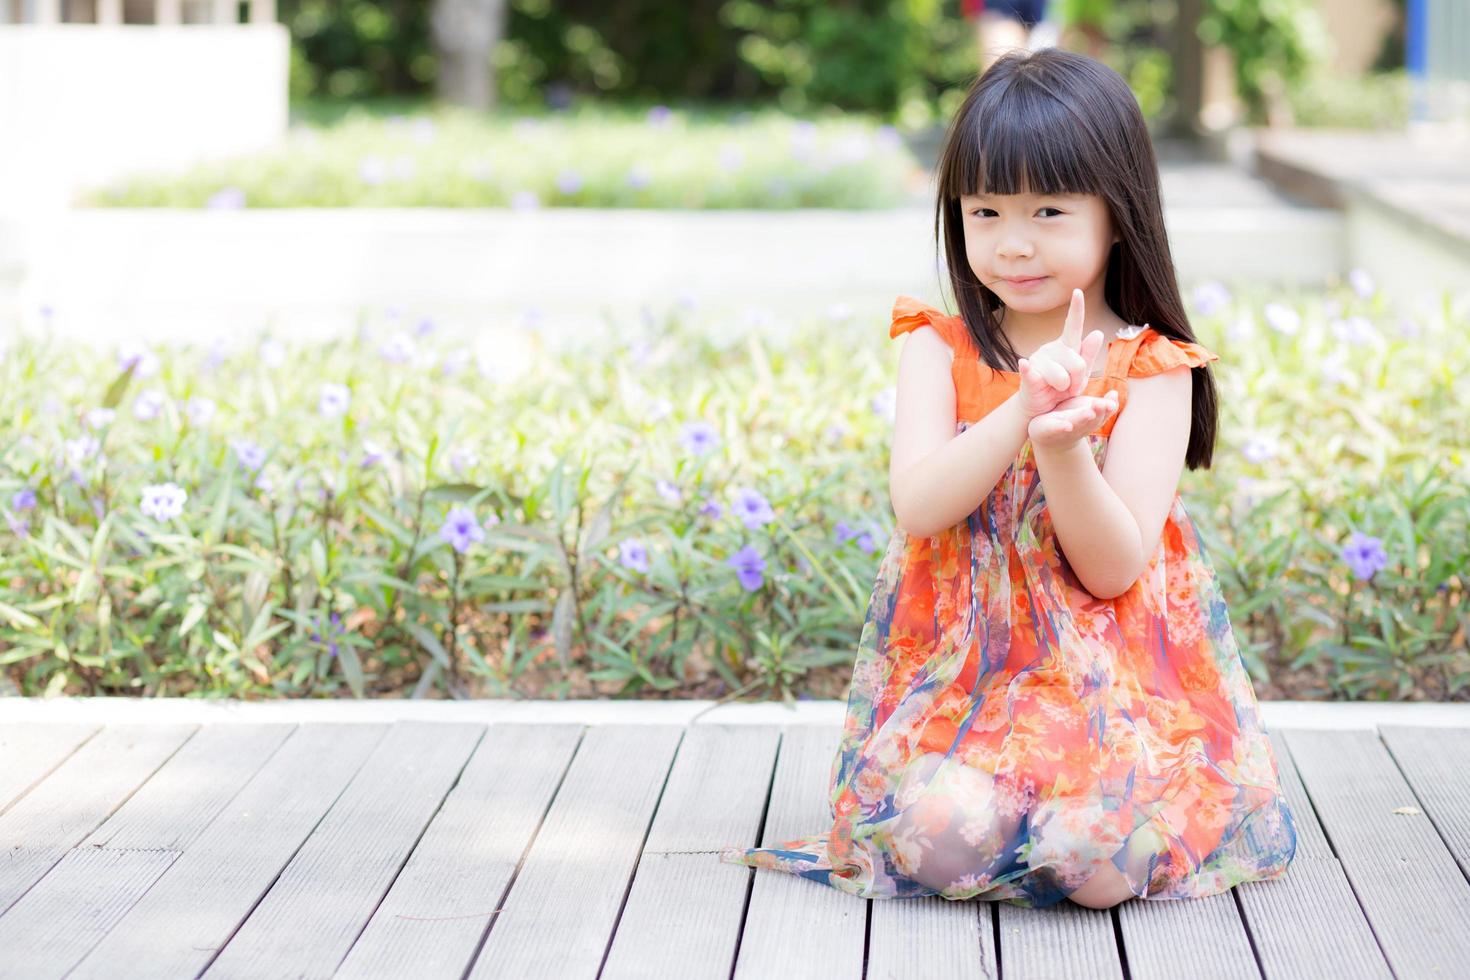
(1007,732)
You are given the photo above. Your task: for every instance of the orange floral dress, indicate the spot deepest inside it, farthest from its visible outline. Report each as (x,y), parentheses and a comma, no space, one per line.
(1122,730)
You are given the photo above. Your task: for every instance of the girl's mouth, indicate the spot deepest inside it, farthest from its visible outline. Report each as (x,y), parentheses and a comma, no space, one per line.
(1025,283)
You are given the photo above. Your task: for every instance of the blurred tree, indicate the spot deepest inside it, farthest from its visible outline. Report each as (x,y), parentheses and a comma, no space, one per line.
(464,33)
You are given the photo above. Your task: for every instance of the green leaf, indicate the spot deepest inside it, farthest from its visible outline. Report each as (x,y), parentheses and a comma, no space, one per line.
(18,618)
(429,642)
(120,385)
(351,668)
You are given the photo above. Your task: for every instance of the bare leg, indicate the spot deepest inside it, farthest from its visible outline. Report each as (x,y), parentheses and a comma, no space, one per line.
(953,831)
(1107,886)
(995,35)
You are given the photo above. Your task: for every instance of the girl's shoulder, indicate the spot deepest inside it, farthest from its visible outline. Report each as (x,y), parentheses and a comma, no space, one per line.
(1154,353)
(910,314)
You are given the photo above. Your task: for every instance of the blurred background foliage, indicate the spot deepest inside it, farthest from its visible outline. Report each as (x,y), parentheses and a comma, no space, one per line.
(906,61)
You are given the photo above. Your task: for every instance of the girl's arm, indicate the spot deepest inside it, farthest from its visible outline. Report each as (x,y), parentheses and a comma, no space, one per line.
(1095,528)
(936,478)
(1109,523)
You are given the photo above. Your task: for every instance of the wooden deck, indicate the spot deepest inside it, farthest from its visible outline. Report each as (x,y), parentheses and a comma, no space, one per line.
(460,848)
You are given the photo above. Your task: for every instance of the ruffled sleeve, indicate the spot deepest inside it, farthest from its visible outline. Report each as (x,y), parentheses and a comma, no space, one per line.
(909,313)
(1156,354)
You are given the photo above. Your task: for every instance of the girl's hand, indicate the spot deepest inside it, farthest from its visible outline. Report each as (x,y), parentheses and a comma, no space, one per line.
(1071,421)
(1058,370)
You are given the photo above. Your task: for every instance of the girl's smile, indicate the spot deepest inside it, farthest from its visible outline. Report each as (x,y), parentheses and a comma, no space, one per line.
(1025,284)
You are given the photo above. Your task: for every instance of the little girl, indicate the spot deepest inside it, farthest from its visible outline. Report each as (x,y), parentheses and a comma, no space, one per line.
(1048,701)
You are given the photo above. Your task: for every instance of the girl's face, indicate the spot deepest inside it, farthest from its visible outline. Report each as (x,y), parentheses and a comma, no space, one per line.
(1056,241)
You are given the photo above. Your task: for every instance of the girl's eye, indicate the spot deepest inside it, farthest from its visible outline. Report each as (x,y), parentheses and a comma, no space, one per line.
(1057,210)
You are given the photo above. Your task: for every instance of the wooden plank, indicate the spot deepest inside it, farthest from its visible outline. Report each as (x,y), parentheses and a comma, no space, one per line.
(1405,878)
(1219,945)
(176,927)
(69,804)
(67,912)
(795,927)
(73,908)
(1062,940)
(932,937)
(682,917)
(29,752)
(563,907)
(439,909)
(1435,762)
(1308,923)
(307,923)
(1311,839)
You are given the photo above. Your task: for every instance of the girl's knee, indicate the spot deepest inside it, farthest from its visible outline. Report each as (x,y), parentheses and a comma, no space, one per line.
(947,830)
(1105,888)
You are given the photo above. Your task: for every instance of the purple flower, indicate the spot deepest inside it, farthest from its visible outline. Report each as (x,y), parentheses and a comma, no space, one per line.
(525,200)
(633,555)
(23,499)
(1283,319)
(1355,330)
(425,326)
(461,529)
(668,491)
(148,404)
(659,115)
(1211,297)
(455,361)
(1260,448)
(867,542)
(98,417)
(1361,282)
(334,400)
(885,403)
(372,453)
(200,410)
(372,170)
(569,181)
(20,527)
(251,456)
(226,199)
(843,532)
(139,358)
(752,508)
(163,501)
(272,353)
(461,459)
(399,349)
(336,630)
(711,509)
(732,157)
(559,95)
(748,565)
(1364,554)
(81,448)
(699,437)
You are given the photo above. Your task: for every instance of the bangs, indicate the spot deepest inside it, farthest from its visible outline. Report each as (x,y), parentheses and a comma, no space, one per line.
(1018,139)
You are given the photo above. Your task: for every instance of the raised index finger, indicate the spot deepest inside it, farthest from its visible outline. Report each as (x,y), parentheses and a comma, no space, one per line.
(1072,329)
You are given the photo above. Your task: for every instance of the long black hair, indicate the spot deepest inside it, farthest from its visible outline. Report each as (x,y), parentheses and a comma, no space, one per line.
(1056,122)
